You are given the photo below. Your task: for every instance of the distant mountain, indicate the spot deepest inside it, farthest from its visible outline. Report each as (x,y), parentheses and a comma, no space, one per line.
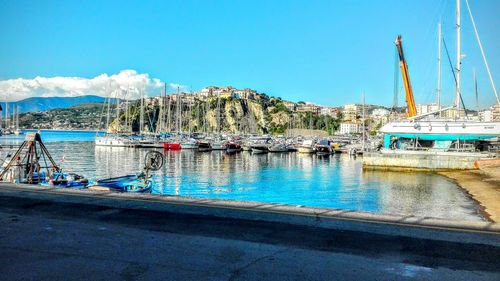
(48,103)
(86,116)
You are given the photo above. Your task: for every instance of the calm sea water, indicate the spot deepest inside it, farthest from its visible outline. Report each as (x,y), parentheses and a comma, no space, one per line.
(335,181)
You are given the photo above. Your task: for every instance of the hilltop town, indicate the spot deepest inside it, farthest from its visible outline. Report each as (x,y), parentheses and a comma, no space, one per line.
(258,112)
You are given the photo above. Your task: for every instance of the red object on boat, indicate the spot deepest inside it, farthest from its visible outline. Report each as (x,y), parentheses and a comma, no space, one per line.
(232,146)
(171,146)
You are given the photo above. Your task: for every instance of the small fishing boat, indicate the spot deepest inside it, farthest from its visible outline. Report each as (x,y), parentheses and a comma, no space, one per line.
(139,183)
(129,183)
(60,179)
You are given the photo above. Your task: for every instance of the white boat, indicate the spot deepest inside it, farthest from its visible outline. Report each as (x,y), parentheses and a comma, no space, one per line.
(279,147)
(260,148)
(307,146)
(119,141)
(429,131)
(189,144)
(218,145)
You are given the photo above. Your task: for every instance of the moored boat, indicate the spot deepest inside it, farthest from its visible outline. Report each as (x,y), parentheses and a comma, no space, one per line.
(189,144)
(233,147)
(307,146)
(171,145)
(129,183)
(218,145)
(260,148)
(204,146)
(323,147)
(60,179)
(279,147)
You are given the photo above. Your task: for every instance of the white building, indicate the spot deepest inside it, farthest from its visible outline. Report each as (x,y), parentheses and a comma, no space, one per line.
(426,108)
(380,112)
(347,128)
(486,115)
(332,111)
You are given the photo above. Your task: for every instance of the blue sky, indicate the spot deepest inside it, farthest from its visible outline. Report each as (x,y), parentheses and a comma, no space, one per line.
(326,52)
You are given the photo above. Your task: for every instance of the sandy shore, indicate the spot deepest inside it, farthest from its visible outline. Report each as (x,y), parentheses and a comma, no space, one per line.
(483,185)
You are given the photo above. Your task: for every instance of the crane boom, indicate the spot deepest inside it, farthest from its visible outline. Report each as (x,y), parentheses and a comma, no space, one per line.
(412,109)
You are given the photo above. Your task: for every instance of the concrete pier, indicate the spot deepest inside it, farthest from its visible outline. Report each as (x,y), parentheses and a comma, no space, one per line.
(422,160)
(51,234)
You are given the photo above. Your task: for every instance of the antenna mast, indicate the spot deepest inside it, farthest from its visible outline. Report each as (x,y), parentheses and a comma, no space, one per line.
(439,69)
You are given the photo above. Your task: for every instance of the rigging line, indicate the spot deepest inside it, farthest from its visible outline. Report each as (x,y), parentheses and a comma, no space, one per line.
(455,77)
(482,52)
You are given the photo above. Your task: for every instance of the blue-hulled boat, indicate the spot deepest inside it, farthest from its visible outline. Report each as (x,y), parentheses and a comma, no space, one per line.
(60,179)
(130,183)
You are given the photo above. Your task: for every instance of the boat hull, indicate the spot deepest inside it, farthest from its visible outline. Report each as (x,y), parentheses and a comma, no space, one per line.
(444,129)
(303,149)
(171,146)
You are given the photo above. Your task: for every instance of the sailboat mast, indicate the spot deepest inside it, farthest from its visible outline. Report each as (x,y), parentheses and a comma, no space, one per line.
(439,69)
(164,125)
(126,109)
(218,113)
(475,90)
(178,112)
(364,120)
(17,117)
(6,115)
(108,112)
(159,122)
(168,114)
(118,111)
(141,121)
(459,57)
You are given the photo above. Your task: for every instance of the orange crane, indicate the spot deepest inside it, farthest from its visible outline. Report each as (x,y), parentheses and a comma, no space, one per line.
(412,109)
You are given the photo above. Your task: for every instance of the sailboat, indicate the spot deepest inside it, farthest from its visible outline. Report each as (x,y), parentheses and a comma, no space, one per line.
(120,140)
(430,132)
(17,131)
(173,143)
(218,143)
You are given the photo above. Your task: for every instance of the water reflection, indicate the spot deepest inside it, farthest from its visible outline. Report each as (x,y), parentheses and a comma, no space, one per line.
(329,181)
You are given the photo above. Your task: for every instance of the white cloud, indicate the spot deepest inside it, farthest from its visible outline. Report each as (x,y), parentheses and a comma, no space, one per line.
(127,84)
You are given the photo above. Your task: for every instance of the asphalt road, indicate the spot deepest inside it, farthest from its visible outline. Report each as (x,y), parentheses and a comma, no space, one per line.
(44,240)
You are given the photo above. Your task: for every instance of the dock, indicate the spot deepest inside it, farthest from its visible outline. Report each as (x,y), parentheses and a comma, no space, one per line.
(49,234)
(423,160)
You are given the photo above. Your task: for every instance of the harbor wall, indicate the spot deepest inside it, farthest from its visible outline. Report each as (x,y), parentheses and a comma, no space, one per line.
(484,233)
(415,160)
(56,233)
